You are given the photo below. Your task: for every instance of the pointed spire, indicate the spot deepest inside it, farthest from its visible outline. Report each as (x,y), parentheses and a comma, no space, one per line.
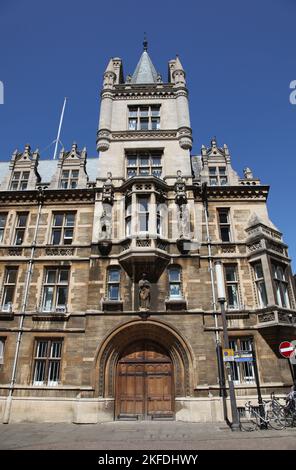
(145,71)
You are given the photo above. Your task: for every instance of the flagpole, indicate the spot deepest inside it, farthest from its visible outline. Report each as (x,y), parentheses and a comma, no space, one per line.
(59,130)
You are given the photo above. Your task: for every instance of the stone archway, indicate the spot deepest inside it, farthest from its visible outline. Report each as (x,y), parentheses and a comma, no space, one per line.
(116,344)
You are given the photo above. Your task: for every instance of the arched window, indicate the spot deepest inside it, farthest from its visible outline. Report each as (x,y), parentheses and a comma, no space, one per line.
(113,283)
(175,283)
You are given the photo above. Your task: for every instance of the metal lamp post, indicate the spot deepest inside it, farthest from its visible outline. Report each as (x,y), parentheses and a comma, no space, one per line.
(221,299)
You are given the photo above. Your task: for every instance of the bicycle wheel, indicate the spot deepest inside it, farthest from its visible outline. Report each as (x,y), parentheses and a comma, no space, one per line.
(276,421)
(248,422)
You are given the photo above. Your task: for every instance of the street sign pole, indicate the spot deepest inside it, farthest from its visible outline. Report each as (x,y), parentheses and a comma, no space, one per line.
(260,401)
(287,350)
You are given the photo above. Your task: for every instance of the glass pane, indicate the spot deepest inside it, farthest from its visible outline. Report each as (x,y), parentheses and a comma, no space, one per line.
(55,350)
(8,297)
(25,175)
(258,271)
(262,294)
(19,236)
(53,372)
(213,181)
(56,236)
(144,111)
(132,161)
(50,276)
(11,276)
(64,275)
(132,124)
(39,375)
(22,220)
(68,236)
(16,175)
(75,173)
(223,217)
(70,220)
(73,184)
(225,234)
(174,274)
(212,170)
(143,204)
(175,290)
(131,173)
(58,220)
(156,161)
(232,296)
(128,225)
(48,299)
(235,371)
(62,296)
(144,123)
(1,234)
(144,161)
(65,174)
(155,110)
(133,112)
(114,275)
(143,219)
(113,292)
(41,350)
(144,171)
(64,184)
(14,186)
(222,170)
(230,272)
(156,172)
(223,181)
(155,123)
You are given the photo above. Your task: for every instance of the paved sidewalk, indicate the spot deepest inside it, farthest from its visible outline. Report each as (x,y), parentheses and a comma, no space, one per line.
(141,436)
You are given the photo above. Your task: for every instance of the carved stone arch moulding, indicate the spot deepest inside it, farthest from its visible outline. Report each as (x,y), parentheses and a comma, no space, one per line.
(166,336)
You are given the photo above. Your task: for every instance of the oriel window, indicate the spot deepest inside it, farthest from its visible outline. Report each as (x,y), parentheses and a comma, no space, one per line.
(47,362)
(63,228)
(260,284)
(21,223)
(281,285)
(143,214)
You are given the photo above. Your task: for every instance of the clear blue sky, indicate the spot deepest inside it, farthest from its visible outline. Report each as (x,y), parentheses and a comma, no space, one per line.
(239,57)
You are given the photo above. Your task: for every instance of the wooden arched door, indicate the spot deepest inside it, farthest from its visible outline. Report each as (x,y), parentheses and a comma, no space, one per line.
(144,383)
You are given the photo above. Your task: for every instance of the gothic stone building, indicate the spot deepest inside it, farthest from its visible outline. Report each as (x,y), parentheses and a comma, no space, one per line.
(108,298)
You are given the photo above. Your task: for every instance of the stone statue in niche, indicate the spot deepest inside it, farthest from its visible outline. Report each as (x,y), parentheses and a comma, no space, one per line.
(184,221)
(105,225)
(248,174)
(180,189)
(108,196)
(144,293)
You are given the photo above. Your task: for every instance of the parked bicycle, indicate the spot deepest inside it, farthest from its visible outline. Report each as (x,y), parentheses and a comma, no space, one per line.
(252,419)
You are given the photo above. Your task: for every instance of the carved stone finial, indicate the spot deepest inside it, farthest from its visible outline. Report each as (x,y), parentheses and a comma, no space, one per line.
(248,174)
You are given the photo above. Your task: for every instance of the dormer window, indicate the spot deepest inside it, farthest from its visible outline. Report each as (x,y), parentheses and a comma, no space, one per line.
(69,179)
(144,118)
(19,180)
(217,176)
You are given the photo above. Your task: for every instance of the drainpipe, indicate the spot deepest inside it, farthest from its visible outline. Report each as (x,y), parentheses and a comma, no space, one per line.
(221,374)
(8,403)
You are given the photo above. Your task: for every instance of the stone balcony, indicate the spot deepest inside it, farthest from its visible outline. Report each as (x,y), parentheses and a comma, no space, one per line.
(276,316)
(149,255)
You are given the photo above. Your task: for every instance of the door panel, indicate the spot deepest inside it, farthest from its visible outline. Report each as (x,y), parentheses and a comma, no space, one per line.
(144,382)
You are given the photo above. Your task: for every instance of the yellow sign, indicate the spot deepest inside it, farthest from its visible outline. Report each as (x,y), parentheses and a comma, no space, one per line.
(228,355)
